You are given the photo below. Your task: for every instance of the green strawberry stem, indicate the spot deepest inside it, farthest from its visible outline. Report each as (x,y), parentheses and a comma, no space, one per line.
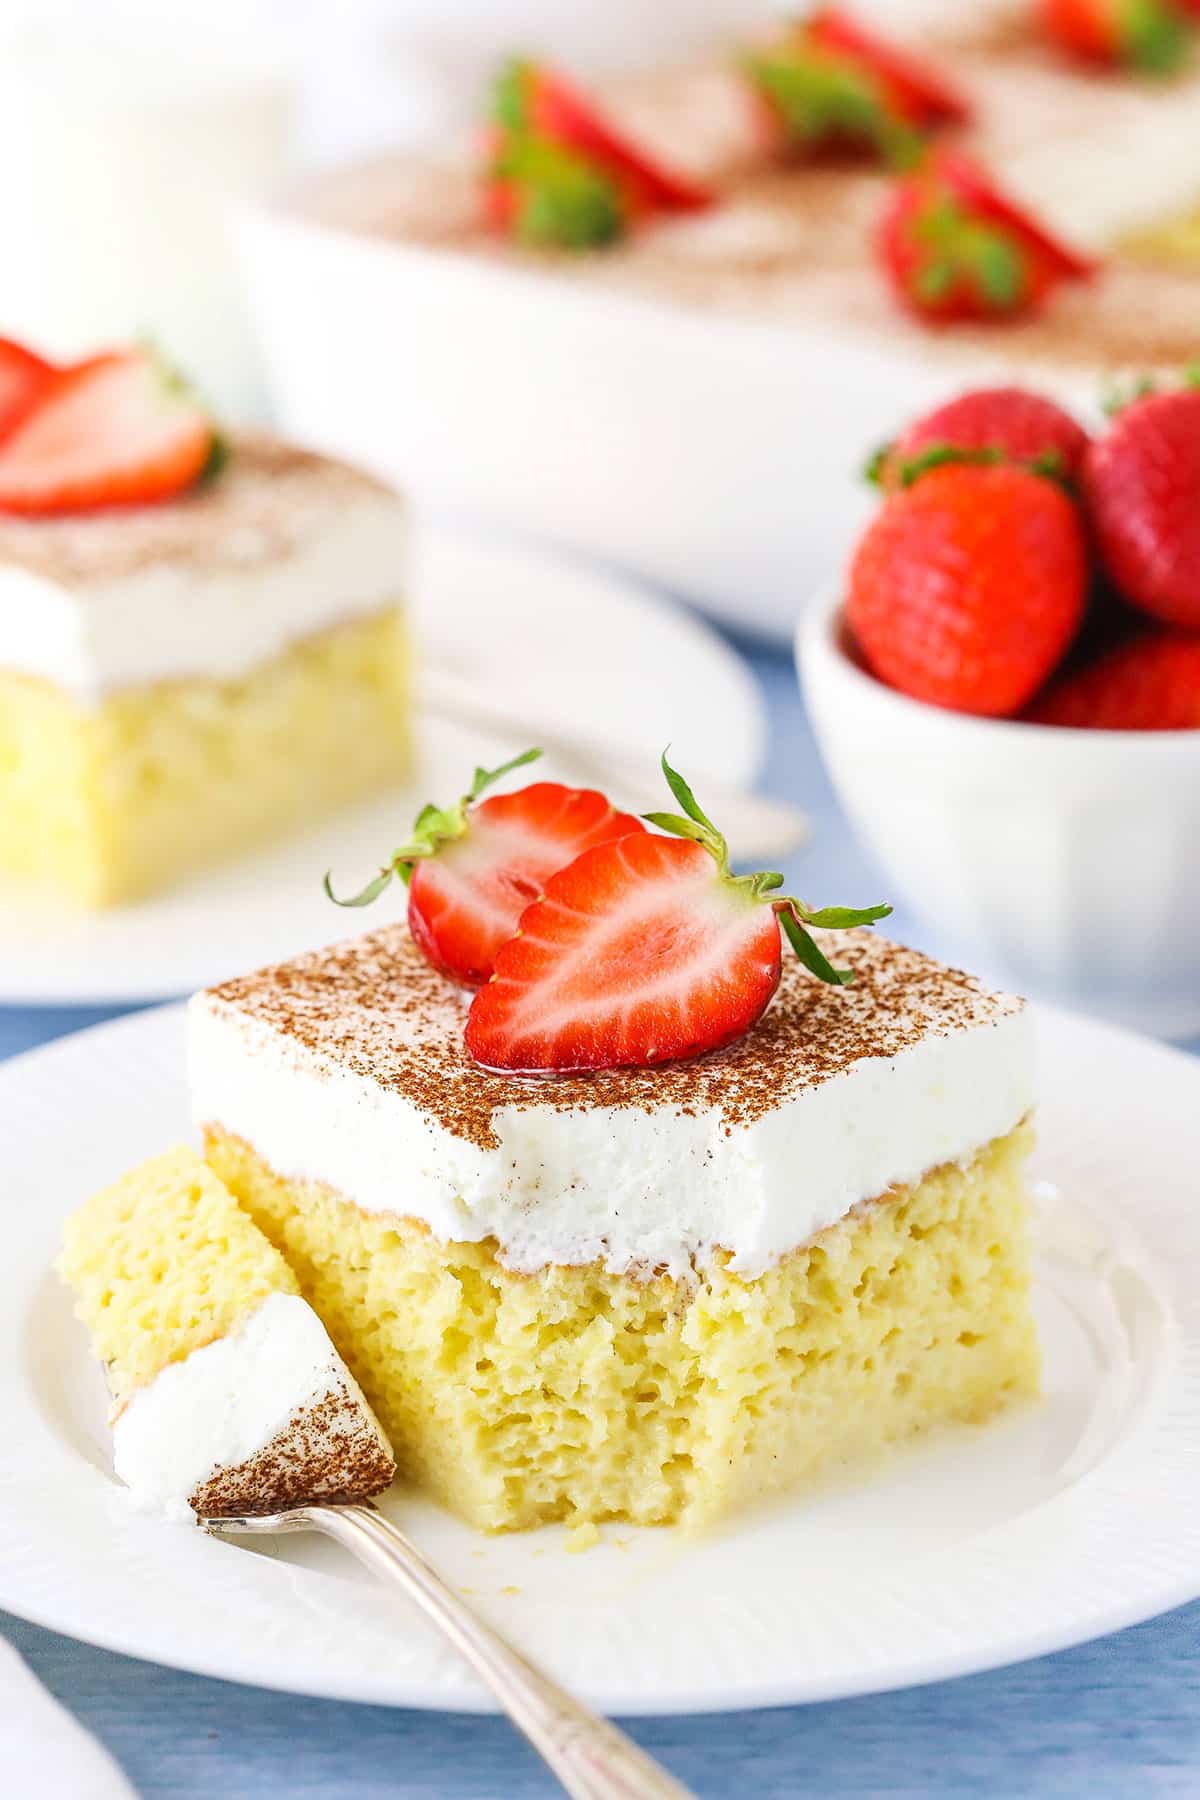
(433,827)
(793,915)
(510,94)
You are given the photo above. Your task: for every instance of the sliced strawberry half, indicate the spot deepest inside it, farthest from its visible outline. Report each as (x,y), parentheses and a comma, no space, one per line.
(642,951)
(956,248)
(828,83)
(979,194)
(118,430)
(472,869)
(539,102)
(916,91)
(24,377)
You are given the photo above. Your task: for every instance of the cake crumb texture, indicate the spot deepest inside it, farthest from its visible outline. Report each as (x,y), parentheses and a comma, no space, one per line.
(162,1263)
(112,802)
(581,1396)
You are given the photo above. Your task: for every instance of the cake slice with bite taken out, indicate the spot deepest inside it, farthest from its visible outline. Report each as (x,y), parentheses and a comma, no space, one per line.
(652,1224)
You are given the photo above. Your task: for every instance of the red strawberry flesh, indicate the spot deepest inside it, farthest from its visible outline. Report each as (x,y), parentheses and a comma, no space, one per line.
(917,91)
(1141,482)
(638,953)
(1151,683)
(114,431)
(465,901)
(24,377)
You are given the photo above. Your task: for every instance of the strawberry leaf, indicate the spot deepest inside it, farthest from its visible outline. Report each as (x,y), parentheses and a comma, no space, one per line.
(371,892)
(875,465)
(564,199)
(1049,463)
(845,918)
(813,958)
(677,827)
(684,795)
(763,886)
(510,95)
(486,778)
(820,97)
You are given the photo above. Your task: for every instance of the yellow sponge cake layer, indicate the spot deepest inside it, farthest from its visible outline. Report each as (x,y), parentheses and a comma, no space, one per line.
(108,801)
(575,1393)
(164,1262)
(1171,241)
(228,1396)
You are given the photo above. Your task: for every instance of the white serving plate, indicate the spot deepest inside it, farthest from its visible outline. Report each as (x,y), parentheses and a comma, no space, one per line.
(978,1547)
(574,648)
(718,457)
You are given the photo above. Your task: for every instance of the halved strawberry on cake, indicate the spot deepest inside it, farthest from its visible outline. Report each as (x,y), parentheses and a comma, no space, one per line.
(651,1221)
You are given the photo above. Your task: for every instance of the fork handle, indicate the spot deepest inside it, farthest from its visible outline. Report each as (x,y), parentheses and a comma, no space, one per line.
(591,1758)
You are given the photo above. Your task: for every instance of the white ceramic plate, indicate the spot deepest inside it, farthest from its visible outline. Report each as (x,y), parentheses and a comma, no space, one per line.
(1065,1520)
(595,655)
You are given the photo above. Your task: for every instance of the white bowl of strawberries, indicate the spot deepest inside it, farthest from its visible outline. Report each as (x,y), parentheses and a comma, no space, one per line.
(1006,691)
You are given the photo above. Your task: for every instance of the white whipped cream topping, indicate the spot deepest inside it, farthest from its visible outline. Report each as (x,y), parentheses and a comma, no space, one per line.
(622,1186)
(1094,188)
(226,1402)
(174,620)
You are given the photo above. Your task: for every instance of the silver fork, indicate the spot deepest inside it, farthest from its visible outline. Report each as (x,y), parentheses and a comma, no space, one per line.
(591,1758)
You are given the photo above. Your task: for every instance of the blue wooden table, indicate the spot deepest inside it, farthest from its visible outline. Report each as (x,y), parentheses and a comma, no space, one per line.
(1120,1717)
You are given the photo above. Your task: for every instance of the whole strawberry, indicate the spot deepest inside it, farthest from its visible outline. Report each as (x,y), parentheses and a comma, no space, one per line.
(956,248)
(1141,484)
(1149,35)
(1151,683)
(1005,424)
(473,867)
(968,587)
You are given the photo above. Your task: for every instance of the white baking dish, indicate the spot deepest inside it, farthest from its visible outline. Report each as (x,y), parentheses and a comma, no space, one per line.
(716,456)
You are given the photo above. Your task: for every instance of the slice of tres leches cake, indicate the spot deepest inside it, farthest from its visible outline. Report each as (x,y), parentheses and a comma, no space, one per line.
(650,1295)
(228,1396)
(658,1221)
(189,669)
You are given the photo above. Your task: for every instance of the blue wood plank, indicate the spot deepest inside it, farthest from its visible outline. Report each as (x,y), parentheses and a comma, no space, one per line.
(1114,1719)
